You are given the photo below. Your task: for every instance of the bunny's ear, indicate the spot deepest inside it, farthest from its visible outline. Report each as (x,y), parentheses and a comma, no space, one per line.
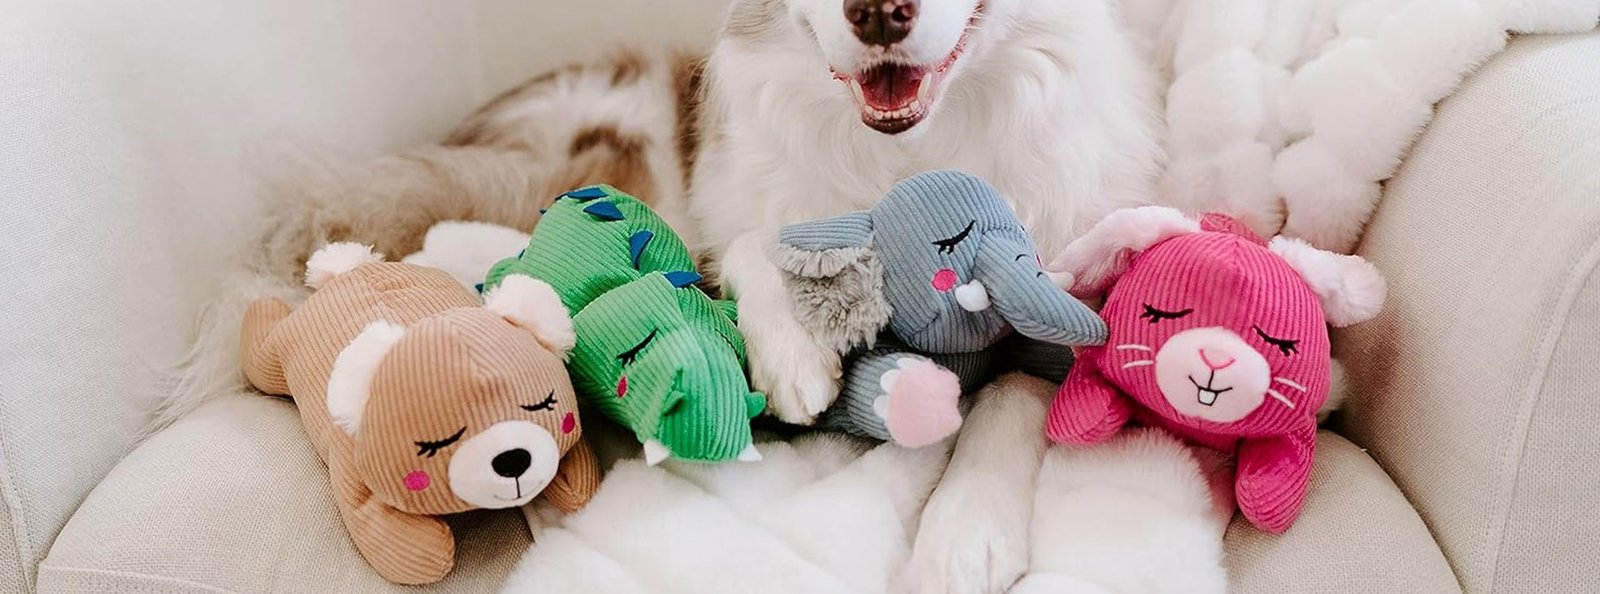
(1351,289)
(1094,261)
(533,305)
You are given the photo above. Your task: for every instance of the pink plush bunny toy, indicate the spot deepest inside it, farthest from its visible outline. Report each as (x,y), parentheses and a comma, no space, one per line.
(1216,336)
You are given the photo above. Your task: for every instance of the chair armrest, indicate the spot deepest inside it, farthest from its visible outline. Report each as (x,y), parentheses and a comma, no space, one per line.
(1475,389)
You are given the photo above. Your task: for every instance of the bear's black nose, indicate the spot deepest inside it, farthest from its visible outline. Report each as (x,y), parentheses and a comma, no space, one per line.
(511,463)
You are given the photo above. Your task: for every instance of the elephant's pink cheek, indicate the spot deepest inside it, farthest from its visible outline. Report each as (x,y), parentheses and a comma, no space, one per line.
(944,280)
(418,480)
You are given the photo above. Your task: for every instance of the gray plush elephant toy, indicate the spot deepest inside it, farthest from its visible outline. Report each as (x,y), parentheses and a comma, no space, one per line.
(922,287)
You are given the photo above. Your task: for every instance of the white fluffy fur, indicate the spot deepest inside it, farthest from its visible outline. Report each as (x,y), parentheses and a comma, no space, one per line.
(974,533)
(350,381)
(335,259)
(1351,289)
(1098,257)
(1289,114)
(467,249)
(822,513)
(1133,515)
(533,305)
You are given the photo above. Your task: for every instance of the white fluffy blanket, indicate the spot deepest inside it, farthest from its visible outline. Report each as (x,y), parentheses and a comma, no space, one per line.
(821,513)
(1292,112)
(1287,112)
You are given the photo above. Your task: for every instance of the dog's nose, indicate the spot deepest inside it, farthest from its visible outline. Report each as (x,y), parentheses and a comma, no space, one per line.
(881,22)
(511,463)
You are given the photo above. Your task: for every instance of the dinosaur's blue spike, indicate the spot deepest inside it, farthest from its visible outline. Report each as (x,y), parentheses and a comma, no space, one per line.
(479,287)
(587,194)
(682,278)
(636,245)
(604,211)
(522,253)
(543,210)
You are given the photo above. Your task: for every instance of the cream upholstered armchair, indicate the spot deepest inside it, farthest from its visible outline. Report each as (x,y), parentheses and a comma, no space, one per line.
(1465,460)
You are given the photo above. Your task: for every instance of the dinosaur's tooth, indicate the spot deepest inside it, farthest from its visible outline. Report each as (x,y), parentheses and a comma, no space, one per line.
(655,452)
(750,454)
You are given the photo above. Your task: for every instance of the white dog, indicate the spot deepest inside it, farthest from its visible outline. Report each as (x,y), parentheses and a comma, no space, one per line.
(815,108)
(808,109)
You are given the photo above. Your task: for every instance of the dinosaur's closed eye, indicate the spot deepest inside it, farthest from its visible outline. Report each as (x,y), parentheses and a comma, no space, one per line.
(629,355)
(549,403)
(1156,315)
(948,246)
(1285,346)
(429,448)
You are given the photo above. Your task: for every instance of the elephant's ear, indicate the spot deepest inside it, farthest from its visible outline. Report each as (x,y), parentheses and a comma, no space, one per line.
(834,279)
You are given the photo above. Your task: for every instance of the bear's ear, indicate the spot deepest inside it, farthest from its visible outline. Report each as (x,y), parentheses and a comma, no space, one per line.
(1091,263)
(1351,289)
(534,305)
(350,382)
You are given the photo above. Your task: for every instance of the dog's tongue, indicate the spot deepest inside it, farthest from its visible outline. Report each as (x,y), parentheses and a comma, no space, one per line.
(890,86)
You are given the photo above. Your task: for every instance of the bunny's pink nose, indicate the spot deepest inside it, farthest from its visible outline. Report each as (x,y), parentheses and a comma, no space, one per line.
(1221,362)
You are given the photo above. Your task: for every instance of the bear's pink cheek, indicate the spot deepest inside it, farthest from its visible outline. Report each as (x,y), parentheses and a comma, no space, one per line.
(944,280)
(568,423)
(418,480)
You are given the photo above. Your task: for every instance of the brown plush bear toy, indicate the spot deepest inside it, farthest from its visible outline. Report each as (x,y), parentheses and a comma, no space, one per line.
(422,402)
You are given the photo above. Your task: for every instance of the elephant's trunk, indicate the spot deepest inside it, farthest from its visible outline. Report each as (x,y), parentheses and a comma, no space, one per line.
(1027,298)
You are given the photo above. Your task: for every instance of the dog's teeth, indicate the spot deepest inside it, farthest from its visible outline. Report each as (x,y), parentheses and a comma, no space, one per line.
(860,95)
(925,90)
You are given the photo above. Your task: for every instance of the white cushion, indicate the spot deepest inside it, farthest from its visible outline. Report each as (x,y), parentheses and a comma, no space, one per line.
(1475,388)
(232,497)
(1356,534)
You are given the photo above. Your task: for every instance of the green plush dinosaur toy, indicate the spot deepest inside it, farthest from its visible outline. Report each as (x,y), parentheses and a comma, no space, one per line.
(653,352)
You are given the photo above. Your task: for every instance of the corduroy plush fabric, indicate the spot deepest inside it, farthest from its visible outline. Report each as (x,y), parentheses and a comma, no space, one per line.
(943,270)
(458,380)
(1215,338)
(653,351)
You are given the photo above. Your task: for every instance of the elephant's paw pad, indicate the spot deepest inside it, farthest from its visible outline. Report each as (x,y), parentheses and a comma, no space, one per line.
(919,403)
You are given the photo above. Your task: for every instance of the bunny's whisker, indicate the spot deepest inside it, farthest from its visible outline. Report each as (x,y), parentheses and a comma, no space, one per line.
(1281,398)
(1134,347)
(1290,383)
(1141,363)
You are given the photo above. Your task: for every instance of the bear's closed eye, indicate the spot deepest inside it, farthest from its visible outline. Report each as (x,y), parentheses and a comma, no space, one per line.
(549,403)
(429,448)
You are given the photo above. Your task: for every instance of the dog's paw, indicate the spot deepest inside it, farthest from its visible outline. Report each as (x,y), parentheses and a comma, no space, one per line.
(967,545)
(799,376)
(919,402)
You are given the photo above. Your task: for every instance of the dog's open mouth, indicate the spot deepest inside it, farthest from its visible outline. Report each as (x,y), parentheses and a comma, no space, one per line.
(894,97)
